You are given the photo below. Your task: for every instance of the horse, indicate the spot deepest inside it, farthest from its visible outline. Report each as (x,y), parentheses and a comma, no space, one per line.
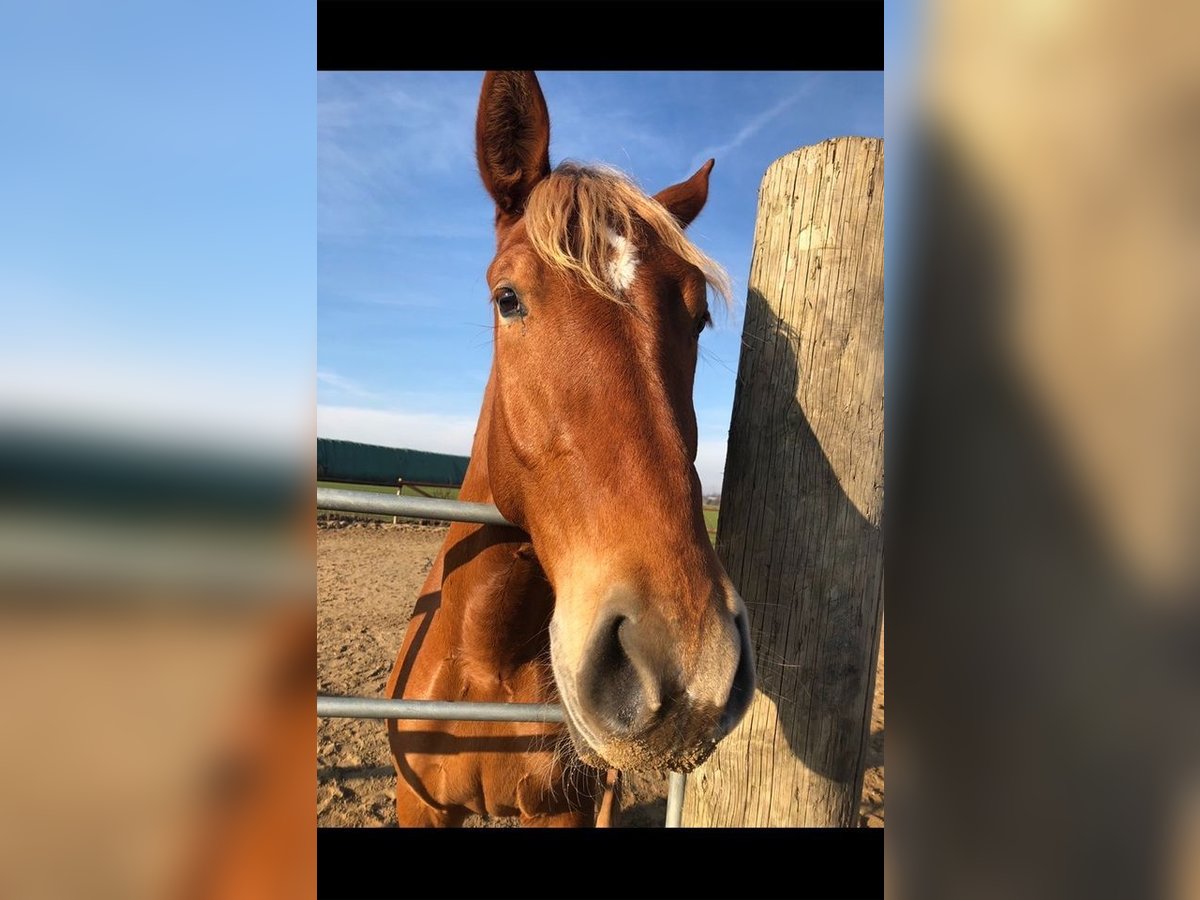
(606,596)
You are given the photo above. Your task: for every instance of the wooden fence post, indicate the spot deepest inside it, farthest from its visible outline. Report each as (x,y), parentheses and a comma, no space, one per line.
(801,511)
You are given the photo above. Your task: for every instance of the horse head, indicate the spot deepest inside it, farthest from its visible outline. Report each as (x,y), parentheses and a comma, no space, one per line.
(599,301)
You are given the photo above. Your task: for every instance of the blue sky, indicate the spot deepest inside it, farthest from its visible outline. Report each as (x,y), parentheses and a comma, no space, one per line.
(404,226)
(157,271)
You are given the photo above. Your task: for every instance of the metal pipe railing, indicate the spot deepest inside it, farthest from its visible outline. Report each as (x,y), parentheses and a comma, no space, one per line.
(409,507)
(329,707)
(676,785)
(441,710)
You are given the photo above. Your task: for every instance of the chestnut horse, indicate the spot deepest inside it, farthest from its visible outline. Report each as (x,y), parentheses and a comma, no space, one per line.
(609,597)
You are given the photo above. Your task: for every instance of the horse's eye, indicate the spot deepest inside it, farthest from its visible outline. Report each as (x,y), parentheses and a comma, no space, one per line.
(703,322)
(508,302)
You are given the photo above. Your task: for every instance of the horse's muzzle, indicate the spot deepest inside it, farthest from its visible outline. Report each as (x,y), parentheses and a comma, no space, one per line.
(636,703)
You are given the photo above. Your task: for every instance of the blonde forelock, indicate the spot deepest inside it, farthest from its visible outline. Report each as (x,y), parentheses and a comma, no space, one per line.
(570,214)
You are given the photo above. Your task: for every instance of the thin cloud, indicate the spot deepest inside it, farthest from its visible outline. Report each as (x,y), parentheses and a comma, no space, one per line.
(750,129)
(381,143)
(586,128)
(432,432)
(344,385)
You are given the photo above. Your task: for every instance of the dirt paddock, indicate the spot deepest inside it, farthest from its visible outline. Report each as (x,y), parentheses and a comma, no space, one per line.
(368,577)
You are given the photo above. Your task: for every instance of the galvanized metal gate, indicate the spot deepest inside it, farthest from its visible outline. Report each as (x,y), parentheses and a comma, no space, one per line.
(368,502)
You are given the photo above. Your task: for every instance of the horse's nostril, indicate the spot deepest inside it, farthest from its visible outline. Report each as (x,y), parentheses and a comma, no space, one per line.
(741,692)
(619,684)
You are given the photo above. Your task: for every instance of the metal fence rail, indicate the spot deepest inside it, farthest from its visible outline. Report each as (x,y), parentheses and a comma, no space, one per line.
(372,708)
(409,507)
(675,789)
(440,710)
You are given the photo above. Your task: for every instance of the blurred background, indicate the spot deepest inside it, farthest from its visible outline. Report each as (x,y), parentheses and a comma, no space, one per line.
(157,358)
(157,282)
(1042,457)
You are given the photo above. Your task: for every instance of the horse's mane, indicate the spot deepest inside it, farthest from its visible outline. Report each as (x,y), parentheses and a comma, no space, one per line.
(573,213)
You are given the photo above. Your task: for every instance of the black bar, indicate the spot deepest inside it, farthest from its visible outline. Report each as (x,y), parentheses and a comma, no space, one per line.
(691,863)
(752,35)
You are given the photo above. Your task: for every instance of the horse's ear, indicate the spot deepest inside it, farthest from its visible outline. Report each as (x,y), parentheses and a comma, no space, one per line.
(685,200)
(512,138)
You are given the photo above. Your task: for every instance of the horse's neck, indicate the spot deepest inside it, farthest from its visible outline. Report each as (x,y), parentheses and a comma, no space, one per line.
(477,486)
(493,587)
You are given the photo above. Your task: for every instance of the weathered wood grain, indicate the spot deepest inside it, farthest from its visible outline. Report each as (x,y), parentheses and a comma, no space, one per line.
(801,511)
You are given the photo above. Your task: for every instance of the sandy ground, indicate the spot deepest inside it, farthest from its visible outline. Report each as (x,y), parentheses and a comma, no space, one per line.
(368,577)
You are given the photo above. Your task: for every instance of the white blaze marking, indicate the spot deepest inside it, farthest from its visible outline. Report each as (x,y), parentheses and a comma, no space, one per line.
(623,266)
